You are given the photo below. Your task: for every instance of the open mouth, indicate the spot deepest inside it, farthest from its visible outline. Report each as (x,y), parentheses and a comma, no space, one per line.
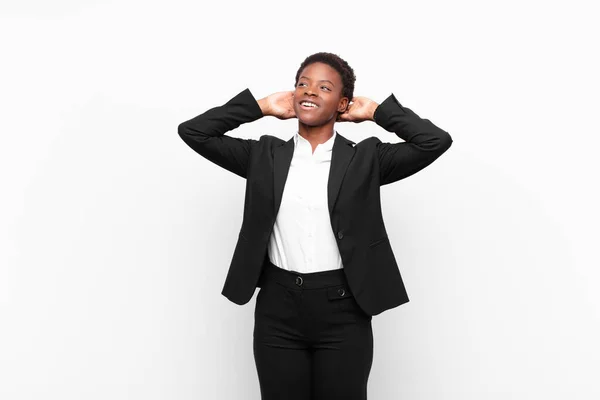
(307,105)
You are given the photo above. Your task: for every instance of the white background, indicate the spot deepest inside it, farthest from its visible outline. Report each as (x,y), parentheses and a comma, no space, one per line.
(116,237)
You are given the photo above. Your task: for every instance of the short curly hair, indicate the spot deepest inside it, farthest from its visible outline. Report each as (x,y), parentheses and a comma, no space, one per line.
(337,63)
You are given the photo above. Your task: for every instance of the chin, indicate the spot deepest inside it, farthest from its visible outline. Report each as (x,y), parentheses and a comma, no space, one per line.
(312,123)
(309,121)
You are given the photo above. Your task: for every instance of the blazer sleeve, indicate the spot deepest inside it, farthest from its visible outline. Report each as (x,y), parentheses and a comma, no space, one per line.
(205,134)
(423,141)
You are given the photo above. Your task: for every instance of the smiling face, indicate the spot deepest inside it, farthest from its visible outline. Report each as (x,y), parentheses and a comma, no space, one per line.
(318,95)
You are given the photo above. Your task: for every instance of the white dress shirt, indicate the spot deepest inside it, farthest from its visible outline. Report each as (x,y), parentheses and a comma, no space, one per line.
(302,239)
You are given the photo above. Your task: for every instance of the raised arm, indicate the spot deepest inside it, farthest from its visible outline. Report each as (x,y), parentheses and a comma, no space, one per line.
(205,134)
(423,141)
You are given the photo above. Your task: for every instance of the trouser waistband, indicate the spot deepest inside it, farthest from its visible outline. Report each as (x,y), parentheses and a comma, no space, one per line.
(298,280)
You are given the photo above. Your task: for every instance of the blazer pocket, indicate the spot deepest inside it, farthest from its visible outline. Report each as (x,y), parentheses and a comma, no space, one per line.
(378,241)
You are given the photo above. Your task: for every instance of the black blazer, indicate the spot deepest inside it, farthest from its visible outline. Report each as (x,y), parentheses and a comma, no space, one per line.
(356,173)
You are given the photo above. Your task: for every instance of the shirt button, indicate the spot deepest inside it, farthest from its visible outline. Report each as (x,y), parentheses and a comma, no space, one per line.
(341,292)
(340,235)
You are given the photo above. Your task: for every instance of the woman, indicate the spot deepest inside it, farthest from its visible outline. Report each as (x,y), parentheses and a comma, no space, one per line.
(312,236)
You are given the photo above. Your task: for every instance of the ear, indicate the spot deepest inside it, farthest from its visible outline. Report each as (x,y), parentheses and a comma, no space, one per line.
(343,104)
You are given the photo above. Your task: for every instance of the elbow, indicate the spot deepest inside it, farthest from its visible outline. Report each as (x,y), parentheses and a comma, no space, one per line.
(443,142)
(438,144)
(446,141)
(182,129)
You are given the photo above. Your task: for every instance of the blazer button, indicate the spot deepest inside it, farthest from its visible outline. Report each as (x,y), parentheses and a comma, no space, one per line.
(341,292)
(340,235)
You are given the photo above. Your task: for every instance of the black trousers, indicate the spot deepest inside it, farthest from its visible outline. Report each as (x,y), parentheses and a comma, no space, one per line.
(312,341)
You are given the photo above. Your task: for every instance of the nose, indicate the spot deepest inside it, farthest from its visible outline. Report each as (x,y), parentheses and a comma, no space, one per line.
(308,90)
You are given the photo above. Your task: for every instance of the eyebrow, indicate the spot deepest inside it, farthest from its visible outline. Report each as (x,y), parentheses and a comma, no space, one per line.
(322,80)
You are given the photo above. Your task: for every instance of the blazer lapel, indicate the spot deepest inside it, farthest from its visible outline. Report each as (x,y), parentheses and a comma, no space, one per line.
(282,158)
(342,153)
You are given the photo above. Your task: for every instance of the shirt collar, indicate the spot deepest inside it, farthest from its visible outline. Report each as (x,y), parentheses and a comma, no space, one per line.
(327,146)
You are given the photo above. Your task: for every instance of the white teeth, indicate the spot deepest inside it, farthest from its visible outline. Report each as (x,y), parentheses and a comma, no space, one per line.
(309,104)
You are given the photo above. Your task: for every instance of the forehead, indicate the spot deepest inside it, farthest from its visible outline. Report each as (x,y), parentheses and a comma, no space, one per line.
(321,71)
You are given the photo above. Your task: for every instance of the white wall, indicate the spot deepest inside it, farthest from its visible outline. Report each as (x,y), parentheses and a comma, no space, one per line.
(116,237)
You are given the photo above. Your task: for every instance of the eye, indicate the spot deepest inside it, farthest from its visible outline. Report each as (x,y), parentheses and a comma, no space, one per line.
(301,83)
(325,87)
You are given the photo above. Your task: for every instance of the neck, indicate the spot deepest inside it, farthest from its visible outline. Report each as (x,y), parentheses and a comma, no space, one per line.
(316,134)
